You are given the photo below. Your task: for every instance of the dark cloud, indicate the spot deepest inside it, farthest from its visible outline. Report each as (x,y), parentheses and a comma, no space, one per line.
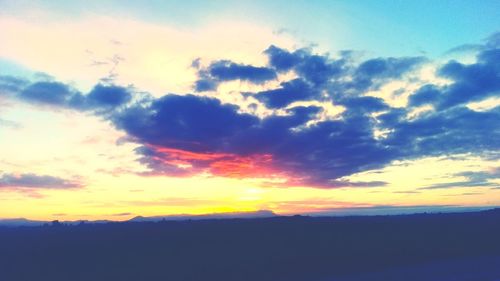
(11,84)
(321,154)
(205,84)
(315,155)
(290,91)
(363,105)
(372,73)
(454,131)
(163,163)
(53,93)
(225,70)
(338,77)
(36,181)
(108,96)
(387,67)
(341,78)
(187,122)
(281,59)
(316,69)
(470,82)
(346,183)
(47,92)
(472,179)
(190,134)
(319,69)
(428,94)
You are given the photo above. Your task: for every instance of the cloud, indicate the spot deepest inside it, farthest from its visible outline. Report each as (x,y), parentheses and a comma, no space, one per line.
(387,67)
(289,92)
(453,131)
(329,183)
(121,214)
(58,94)
(33,181)
(340,74)
(191,134)
(53,93)
(185,122)
(319,69)
(316,69)
(472,179)
(493,41)
(11,84)
(427,94)
(363,105)
(108,96)
(394,210)
(205,84)
(320,154)
(281,59)
(225,70)
(465,48)
(470,82)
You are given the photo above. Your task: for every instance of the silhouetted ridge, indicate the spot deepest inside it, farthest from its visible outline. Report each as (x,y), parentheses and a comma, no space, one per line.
(231,215)
(434,247)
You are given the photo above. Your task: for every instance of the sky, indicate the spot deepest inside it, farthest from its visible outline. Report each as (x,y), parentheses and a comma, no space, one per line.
(113,109)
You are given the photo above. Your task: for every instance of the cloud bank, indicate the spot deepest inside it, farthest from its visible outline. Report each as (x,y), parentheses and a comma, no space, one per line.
(34,181)
(199,133)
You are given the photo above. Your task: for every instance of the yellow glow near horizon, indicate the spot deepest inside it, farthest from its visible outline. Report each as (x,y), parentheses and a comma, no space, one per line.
(125,196)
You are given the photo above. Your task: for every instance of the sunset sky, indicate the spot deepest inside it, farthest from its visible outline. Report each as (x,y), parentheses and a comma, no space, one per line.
(113,109)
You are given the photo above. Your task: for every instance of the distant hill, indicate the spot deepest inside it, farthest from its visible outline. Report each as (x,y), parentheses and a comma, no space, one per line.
(232,215)
(16,222)
(20,222)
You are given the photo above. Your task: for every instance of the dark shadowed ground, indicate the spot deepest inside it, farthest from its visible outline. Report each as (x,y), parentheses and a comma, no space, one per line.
(443,247)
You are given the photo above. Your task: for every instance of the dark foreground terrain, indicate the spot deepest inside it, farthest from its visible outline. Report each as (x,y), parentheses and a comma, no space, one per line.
(454,247)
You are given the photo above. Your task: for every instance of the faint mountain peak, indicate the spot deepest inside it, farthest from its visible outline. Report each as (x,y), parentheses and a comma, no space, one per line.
(20,222)
(228,215)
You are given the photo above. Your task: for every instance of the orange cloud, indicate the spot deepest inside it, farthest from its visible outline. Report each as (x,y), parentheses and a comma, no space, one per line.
(219,164)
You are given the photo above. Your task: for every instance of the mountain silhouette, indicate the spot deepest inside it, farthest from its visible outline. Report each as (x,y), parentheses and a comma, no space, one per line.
(441,247)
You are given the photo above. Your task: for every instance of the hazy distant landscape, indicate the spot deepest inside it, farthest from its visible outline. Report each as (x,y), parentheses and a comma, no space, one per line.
(454,247)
